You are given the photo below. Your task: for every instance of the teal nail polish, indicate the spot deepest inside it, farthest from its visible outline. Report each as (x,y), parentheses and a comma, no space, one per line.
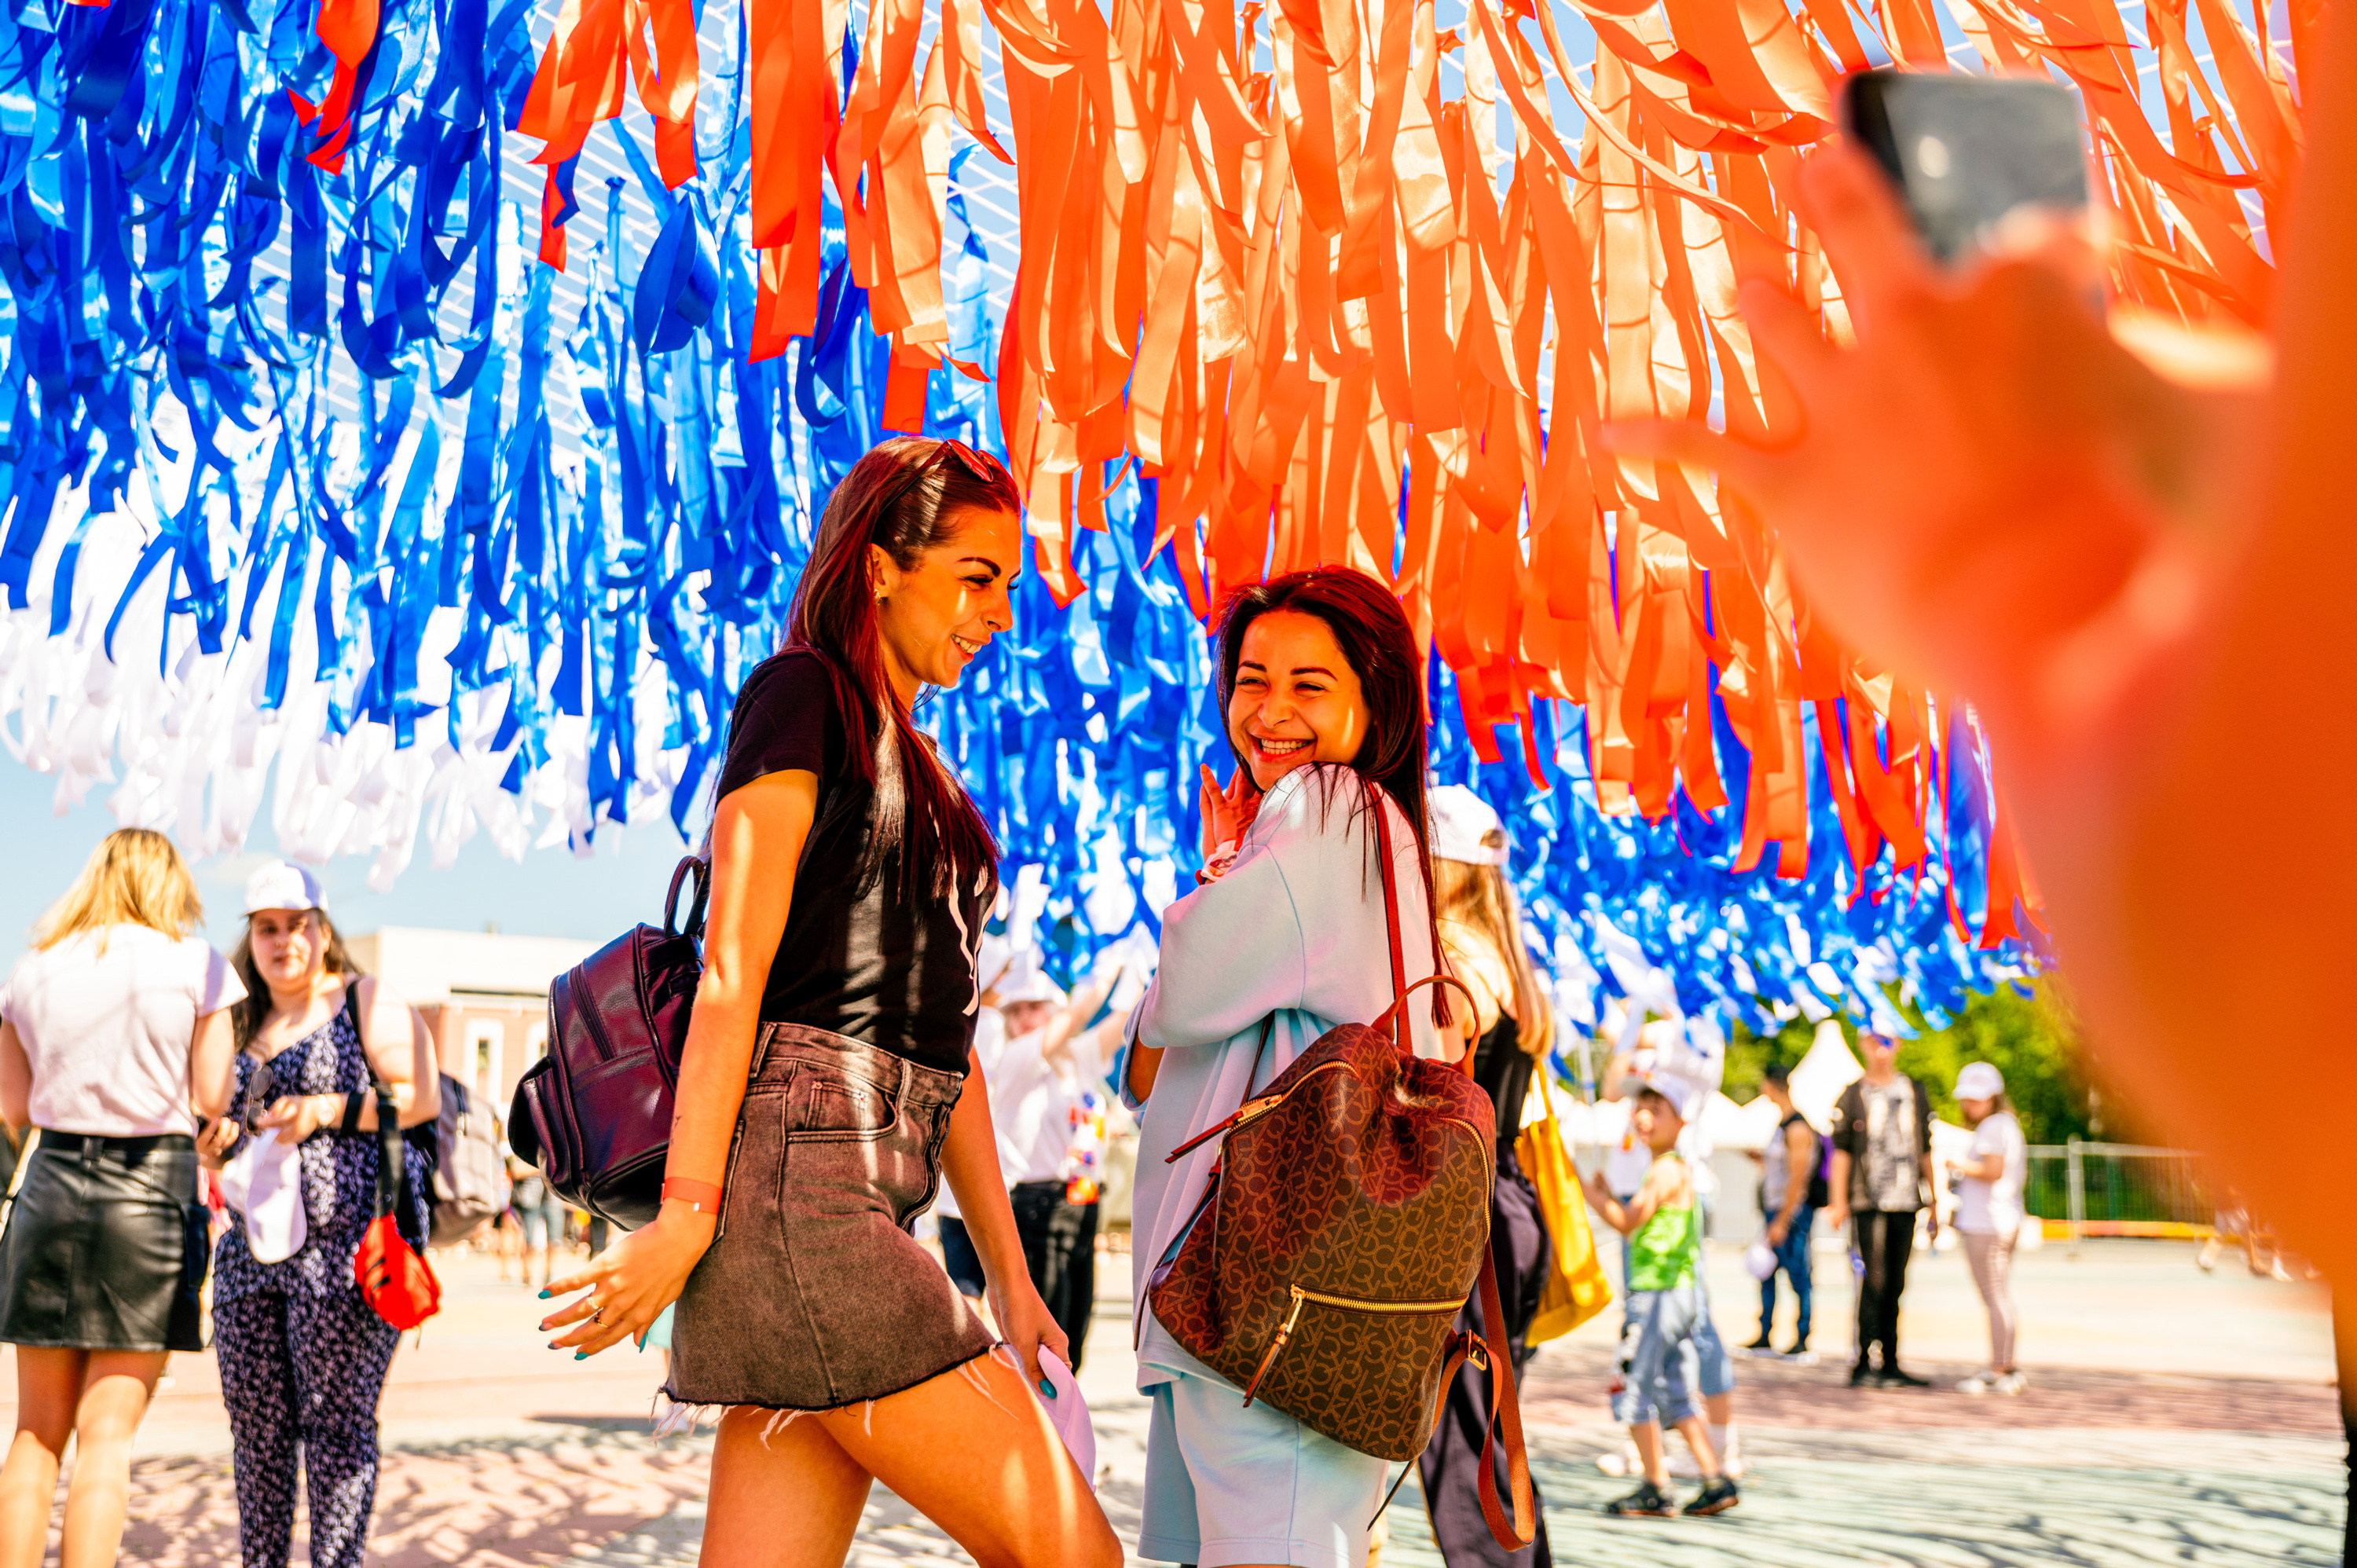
(547,1294)
(581,1354)
(1047,1388)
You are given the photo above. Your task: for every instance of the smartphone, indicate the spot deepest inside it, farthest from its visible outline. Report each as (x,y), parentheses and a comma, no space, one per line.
(1966,151)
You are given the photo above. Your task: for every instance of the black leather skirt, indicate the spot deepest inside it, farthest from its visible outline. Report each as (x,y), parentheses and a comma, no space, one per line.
(105,1246)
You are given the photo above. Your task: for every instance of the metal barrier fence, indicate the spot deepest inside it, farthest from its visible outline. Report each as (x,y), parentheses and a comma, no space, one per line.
(2119,1189)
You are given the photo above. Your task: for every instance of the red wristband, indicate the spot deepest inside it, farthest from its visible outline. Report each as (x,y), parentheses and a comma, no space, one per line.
(700,1195)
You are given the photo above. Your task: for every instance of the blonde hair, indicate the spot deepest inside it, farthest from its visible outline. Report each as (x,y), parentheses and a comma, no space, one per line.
(1480,898)
(135,877)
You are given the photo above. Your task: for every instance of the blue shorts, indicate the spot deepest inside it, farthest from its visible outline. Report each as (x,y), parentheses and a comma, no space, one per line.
(1708,1366)
(1704,1357)
(1227,1485)
(1655,1382)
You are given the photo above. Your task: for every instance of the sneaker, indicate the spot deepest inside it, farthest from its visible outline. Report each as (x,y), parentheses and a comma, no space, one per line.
(1862,1375)
(1979,1383)
(1648,1501)
(1682,1466)
(1717,1496)
(2011,1383)
(1761,1347)
(1620,1461)
(1892,1378)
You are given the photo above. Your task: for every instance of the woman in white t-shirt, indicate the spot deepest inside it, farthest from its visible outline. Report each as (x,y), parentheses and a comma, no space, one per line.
(115,1045)
(1988,1183)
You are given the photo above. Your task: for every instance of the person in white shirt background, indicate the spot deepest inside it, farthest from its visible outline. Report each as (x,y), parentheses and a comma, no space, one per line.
(1050,1102)
(1988,1184)
(115,1044)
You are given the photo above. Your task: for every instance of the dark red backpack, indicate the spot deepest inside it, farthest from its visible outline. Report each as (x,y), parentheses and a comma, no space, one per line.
(594,1114)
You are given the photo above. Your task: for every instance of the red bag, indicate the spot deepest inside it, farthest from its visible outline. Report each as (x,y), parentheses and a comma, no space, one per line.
(397,1283)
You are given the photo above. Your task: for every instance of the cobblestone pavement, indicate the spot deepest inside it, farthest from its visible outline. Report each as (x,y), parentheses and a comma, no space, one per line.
(2176,1419)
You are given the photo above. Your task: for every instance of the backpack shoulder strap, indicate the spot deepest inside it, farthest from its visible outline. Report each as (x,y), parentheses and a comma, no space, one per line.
(1506,1422)
(1390,914)
(392,1171)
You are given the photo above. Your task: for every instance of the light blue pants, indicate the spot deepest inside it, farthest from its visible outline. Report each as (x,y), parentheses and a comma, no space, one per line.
(1227,1485)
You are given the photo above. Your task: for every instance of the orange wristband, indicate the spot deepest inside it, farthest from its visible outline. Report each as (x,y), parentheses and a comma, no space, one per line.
(700,1195)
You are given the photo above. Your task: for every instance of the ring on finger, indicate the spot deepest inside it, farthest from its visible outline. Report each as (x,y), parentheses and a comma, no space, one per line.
(597,1312)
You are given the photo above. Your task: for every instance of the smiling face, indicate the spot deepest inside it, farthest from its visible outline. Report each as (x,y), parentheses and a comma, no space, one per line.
(937,614)
(289,948)
(1296,700)
(1655,1122)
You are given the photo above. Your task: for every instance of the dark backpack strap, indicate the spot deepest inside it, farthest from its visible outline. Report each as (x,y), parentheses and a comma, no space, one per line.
(392,1171)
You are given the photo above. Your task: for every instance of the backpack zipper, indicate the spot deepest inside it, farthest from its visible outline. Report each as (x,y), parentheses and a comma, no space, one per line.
(1302,1297)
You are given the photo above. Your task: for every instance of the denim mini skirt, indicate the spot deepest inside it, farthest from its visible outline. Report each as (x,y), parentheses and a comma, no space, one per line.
(815,1294)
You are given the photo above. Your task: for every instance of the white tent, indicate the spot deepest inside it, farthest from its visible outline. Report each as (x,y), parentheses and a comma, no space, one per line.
(1726,1125)
(1750,1126)
(1820,1077)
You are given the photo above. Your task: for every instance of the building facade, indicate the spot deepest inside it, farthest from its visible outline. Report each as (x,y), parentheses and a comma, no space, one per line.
(483,996)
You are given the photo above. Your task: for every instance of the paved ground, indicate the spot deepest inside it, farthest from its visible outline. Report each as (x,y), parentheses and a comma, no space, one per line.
(2174,1418)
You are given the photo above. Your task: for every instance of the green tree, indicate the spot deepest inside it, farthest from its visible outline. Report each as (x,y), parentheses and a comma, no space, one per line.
(2030,1039)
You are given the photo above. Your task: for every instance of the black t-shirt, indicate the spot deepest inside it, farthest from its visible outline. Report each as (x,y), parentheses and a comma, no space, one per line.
(860,961)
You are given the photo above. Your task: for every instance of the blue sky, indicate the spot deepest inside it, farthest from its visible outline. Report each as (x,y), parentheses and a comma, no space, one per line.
(549,893)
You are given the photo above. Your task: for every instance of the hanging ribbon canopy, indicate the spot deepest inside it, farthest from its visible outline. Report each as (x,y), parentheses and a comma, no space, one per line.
(431,399)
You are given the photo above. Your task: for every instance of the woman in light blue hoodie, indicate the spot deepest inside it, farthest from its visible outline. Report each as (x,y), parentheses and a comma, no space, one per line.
(1324,689)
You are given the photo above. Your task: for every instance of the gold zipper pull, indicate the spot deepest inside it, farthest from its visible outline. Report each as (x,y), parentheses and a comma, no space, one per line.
(1283,1333)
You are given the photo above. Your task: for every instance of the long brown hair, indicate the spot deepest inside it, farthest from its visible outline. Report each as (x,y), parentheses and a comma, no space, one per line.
(1480,898)
(1375,637)
(903,494)
(246,1015)
(135,877)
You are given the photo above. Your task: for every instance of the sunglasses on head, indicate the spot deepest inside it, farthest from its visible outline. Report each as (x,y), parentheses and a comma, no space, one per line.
(980,467)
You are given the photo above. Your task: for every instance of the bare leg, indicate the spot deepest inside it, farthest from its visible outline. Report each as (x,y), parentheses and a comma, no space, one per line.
(1647,1435)
(113,1397)
(969,1449)
(747,1521)
(1697,1438)
(48,1384)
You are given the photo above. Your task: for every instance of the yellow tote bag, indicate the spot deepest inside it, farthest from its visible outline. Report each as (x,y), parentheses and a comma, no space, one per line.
(1577,1287)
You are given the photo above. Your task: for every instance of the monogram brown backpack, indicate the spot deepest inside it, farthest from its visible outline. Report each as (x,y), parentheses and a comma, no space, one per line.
(1345,1228)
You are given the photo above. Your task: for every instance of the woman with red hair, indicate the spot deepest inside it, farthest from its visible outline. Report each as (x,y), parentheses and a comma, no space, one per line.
(827,1084)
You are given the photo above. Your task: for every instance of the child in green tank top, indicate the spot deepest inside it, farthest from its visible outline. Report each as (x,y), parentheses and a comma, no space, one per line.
(1665,1304)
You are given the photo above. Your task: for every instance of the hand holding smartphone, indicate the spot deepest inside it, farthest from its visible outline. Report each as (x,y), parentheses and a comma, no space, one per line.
(1968,152)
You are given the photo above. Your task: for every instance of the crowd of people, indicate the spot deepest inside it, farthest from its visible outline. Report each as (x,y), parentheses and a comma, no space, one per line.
(141,1056)
(858,1049)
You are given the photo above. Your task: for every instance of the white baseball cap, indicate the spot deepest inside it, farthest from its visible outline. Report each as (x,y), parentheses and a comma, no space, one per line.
(282,885)
(1686,1096)
(1460,819)
(1979,1081)
(1025,980)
